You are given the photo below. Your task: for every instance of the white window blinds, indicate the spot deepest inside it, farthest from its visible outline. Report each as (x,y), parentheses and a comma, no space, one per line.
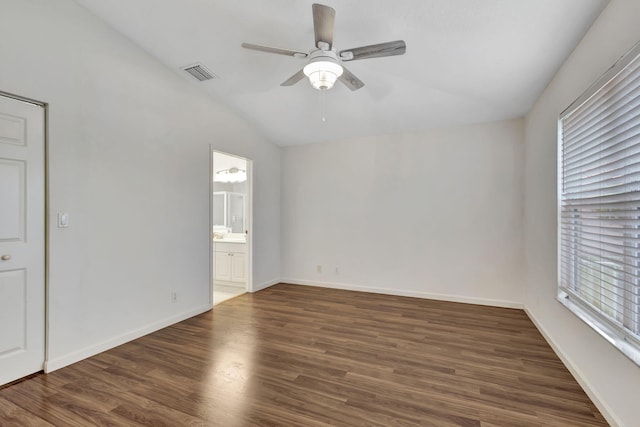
(599,205)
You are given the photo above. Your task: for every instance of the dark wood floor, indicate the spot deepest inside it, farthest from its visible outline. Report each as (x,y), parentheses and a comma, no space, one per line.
(302,356)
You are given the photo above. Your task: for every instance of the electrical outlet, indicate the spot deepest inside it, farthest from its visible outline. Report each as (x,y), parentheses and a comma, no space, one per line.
(319,268)
(174,297)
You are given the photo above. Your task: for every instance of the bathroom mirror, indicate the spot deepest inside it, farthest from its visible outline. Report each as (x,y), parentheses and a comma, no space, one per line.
(228,210)
(235,212)
(219,209)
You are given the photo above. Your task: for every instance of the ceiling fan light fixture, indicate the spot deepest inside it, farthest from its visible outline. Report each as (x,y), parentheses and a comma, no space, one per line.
(323,74)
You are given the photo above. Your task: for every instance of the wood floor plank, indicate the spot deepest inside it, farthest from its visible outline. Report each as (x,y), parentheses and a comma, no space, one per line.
(13,415)
(305,356)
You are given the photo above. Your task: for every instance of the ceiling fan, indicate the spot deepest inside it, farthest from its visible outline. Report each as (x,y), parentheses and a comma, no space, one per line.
(325,63)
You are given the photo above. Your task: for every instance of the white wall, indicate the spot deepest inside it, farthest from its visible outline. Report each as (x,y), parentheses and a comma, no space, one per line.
(436,214)
(129,160)
(610,378)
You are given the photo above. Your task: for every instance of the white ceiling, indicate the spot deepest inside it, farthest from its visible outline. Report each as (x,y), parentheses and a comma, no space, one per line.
(467,61)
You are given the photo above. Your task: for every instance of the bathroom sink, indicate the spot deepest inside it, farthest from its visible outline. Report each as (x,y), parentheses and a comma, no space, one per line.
(231,240)
(234,240)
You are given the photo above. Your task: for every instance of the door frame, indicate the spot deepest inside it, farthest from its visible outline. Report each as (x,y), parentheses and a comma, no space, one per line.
(248,221)
(45,214)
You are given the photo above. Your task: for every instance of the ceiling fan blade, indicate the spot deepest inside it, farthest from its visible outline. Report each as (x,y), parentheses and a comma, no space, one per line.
(397,47)
(277,50)
(323,19)
(294,79)
(350,80)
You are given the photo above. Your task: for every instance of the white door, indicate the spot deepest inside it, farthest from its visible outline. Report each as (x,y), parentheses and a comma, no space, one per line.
(22,217)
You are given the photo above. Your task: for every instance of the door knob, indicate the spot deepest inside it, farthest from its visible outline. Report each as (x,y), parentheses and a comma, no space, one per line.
(6,257)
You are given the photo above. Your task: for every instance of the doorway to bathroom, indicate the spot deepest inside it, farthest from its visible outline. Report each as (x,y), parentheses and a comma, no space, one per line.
(230,220)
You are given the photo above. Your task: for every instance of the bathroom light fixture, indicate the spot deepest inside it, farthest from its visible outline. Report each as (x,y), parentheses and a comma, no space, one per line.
(231,175)
(322,74)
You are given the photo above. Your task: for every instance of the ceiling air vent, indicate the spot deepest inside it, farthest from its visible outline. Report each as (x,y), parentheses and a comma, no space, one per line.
(199,72)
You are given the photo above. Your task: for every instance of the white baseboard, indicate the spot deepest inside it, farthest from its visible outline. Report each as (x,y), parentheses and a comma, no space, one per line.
(76,356)
(265,285)
(604,409)
(406,293)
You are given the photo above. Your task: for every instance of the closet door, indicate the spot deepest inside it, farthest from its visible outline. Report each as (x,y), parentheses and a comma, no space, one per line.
(22,217)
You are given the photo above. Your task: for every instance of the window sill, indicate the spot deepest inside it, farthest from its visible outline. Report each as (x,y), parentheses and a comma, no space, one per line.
(609,333)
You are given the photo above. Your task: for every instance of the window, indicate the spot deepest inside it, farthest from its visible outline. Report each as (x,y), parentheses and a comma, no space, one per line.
(599,206)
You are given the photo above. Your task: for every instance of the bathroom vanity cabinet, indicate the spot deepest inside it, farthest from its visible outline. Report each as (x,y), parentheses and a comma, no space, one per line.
(230,259)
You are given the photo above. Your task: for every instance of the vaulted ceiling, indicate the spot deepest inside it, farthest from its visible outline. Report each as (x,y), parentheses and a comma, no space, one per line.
(467,61)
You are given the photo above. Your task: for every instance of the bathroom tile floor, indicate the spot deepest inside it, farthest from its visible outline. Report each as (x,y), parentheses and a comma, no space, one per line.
(223,293)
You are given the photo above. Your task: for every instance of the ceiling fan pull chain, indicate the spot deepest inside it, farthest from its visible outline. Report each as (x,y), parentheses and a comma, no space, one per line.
(322,117)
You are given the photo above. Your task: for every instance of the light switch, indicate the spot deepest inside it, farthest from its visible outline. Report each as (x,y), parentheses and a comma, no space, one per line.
(63,219)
